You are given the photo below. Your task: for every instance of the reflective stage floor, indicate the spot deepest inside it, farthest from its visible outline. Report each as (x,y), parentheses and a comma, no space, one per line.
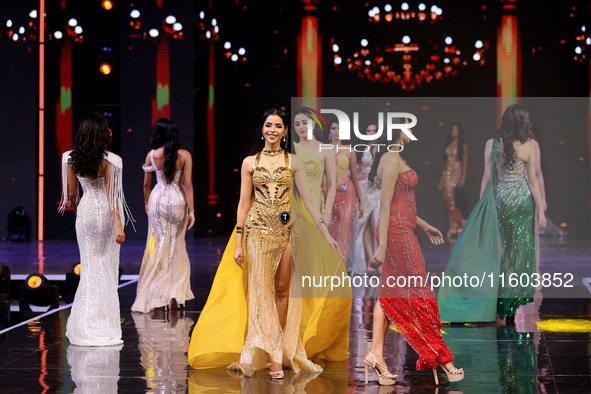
(547,350)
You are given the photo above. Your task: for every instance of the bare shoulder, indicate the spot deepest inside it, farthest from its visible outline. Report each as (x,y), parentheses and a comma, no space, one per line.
(248,162)
(489,143)
(184,154)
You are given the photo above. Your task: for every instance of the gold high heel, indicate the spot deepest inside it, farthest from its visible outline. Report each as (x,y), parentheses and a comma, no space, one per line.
(385,378)
(455,375)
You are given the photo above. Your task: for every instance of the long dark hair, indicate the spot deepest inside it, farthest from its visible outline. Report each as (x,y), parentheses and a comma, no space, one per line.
(89,145)
(165,133)
(461,142)
(259,142)
(364,131)
(383,148)
(320,134)
(515,126)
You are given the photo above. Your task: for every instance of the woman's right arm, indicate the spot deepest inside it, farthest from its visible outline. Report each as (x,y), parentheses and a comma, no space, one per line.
(487,163)
(72,188)
(243,205)
(147,182)
(390,172)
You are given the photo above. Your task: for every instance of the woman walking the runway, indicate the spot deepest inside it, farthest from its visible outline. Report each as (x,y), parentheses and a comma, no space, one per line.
(165,275)
(412,308)
(251,317)
(99,231)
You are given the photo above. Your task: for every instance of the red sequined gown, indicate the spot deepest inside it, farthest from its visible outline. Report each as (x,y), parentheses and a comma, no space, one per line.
(411,308)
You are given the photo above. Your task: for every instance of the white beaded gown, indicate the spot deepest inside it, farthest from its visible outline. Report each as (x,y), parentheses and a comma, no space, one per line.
(95,319)
(166,270)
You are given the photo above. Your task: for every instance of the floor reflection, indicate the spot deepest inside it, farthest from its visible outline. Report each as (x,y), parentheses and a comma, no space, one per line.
(163,339)
(95,369)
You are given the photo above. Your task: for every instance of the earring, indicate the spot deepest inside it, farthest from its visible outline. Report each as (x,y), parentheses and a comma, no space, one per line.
(262,137)
(284,138)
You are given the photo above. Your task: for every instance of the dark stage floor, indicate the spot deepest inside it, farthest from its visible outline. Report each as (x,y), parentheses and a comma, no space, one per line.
(548,349)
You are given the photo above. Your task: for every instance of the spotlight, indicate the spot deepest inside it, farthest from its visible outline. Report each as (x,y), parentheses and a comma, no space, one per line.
(234,58)
(177,26)
(477,57)
(227,45)
(406,40)
(338,60)
(9,23)
(201,15)
(404,6)
(387,8)
(153,33)
(241,51)
(107,5)
(15,37)
(78,29)
(364,42)
(134,14)
(105,68)
(33,14)
(170,19)
(72,282)
(58,34)
(335,48)
(72,22)
(448,40)
(478,44)
(422,7)
(37,291)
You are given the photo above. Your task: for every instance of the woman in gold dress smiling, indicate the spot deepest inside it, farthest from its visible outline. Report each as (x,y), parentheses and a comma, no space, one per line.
(252,316)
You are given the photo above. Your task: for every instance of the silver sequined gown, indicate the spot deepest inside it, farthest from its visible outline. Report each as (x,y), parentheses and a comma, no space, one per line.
(95,320)
(166,270)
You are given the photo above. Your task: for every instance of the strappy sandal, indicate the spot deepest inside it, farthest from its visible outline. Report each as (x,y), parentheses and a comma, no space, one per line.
(384,378)
(454,375)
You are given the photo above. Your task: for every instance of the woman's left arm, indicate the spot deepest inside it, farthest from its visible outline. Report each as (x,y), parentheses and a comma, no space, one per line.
(330,166)
(355,181)
(72,188)
(298,170)
(434,235)
(188,186)
(464,166)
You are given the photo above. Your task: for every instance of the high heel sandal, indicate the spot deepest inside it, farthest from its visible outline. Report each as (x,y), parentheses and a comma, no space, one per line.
(385,378)
(276,375)
(455,375)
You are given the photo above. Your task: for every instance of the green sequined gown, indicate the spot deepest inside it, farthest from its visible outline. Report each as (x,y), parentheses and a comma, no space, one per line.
(516,215)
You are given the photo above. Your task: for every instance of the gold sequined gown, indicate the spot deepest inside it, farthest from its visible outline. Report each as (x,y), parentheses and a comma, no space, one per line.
(265,240)
(166,271)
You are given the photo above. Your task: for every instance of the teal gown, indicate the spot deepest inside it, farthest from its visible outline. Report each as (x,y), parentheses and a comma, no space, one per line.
(497,240)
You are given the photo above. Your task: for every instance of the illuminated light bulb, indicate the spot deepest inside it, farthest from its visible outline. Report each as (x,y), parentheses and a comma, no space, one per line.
(478,44)
(367,62)
(583,28)
(364,42)
(446,60)
(434,9)
(404,6)
(439,11)
(15,37)
(234,58)
(58,34)
(338,60)
(214,22)
(9,23)
(208,34)
(227,45)
(177,26)
(422,7)
(448,40)
(33,14)
(406,40)
(376,10)
(72,22)
(577,50)
(105,68)
(201,15)
(241,51)
(21,30)
(387,8)
(371,13)
(476,57)
(134,14)
(153,33)
(335,48)
(170,19)
(78,29)
(588,40)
